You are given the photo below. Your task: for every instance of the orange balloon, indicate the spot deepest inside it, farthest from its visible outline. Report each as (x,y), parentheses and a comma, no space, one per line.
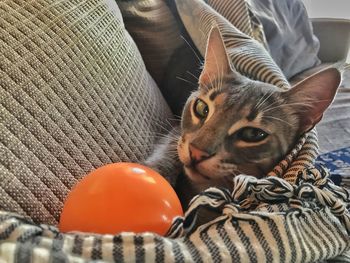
(121,197)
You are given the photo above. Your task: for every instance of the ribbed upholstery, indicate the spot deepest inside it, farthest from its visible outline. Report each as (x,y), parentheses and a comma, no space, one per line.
(240,14)
(74,95)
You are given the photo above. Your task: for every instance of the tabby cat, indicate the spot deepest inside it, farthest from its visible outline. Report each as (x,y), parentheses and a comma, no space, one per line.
(233,125)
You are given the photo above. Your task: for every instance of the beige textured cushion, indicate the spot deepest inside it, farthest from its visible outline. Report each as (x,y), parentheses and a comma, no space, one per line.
(75,95)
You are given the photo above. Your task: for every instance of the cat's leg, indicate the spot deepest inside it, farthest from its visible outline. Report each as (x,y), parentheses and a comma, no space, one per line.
(165,159)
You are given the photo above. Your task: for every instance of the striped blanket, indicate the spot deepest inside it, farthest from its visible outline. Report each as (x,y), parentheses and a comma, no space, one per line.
(296,214)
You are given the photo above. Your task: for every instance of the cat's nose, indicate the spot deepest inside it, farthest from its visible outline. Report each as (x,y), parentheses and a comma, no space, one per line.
(196,154)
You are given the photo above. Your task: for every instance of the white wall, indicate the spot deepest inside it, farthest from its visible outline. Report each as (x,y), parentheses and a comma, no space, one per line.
(329,9)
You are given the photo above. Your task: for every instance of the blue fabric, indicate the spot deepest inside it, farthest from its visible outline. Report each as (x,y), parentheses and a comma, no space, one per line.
(338,162)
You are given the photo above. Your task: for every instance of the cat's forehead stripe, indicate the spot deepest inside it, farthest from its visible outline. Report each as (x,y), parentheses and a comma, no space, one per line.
(252,115)
(237,125)
(214,94)
(217,96)
(244,122)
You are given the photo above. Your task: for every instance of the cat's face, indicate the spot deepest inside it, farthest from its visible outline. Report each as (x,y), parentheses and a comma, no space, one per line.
(235,128)
(232,125)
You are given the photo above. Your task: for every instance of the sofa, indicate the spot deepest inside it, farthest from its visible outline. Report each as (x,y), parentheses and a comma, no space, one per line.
(87,83)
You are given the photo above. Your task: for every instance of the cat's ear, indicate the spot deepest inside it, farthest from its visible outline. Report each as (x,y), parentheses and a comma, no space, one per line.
(312,96)
(216,63)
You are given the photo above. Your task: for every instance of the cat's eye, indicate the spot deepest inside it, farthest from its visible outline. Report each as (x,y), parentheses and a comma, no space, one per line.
(250,134)
(200,109)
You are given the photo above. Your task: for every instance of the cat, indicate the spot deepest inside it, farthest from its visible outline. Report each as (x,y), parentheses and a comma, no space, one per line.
(234,125)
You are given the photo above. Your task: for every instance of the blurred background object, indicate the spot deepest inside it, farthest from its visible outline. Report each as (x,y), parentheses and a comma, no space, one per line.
(338,13)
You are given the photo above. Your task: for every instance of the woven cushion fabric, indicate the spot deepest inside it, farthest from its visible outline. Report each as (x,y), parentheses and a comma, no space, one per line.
(74,95)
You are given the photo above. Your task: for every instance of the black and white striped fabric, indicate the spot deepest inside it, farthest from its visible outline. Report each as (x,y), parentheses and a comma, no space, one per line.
(294,215)
(266,220)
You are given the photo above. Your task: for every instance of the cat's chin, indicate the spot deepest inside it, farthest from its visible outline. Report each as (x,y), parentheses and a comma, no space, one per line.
(196,176)
(201,182)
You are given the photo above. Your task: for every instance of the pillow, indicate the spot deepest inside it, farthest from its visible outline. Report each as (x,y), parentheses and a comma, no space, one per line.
(289,34)
(75,95)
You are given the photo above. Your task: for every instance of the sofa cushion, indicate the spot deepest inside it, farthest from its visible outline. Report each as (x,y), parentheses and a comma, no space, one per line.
(75,95)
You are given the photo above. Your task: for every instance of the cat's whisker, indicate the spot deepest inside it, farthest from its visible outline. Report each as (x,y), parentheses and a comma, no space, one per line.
(162,136)
(166,124)
(197,79)
(152,138)
(190,73)
(258,103)
(205,86)
(306,103)
(267,96)
(157,134)
(278,119)
(279,101)
(177,118)
(234,171)
(220,80)
(210,79)
(140,145)
(285,105)
(218,83)
(194,52)
(162,133)
(186,81)
(214,83)
(172,155)
(170,124)
(164,129)
(148,136)
(162,126)
(217,80)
